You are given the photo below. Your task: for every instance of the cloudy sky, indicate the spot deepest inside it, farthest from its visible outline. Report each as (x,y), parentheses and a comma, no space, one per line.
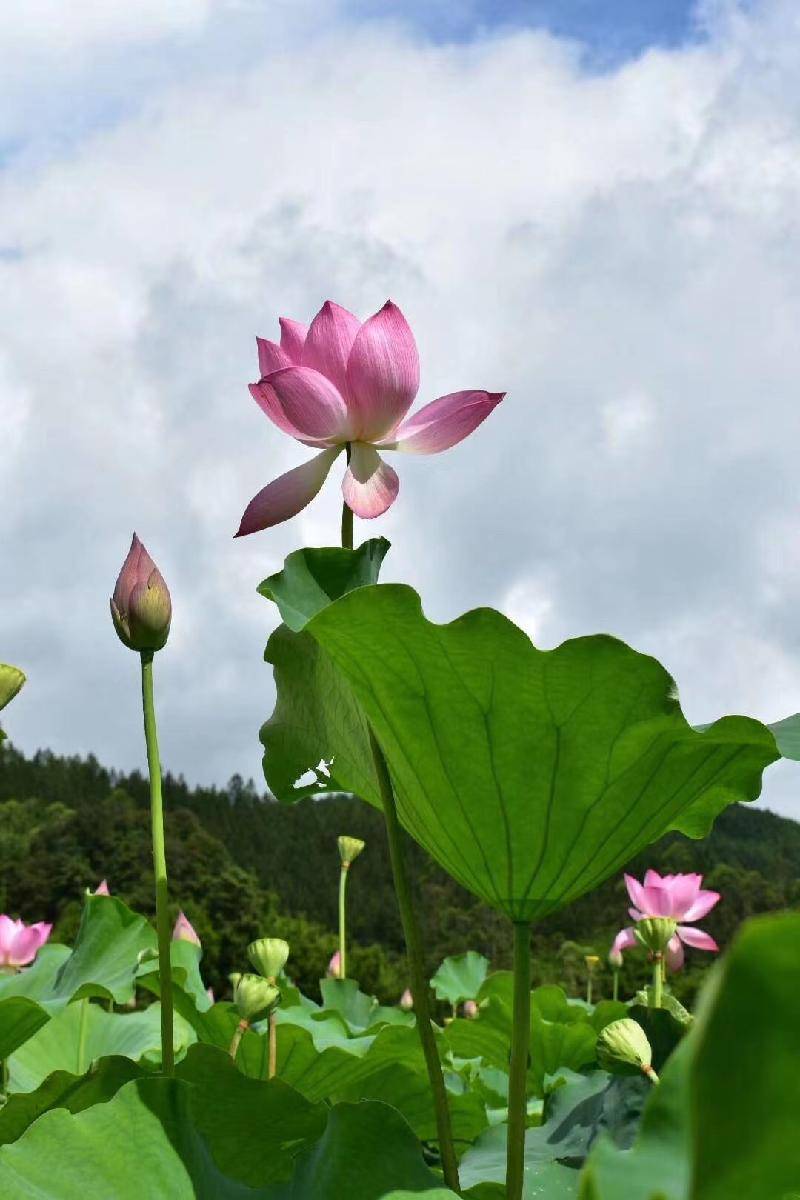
(592,206)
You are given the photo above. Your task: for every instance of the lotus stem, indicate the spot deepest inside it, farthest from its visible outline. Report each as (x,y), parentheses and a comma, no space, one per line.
(416,965)
(413,937)
(272,1070)
(520,1052)
(615,993)
(658,981)
(589,989)
(342,919)
(238,1034)
(159,863)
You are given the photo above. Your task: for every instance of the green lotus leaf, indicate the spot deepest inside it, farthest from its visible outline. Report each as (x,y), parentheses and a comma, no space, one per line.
(312,578)
(105,957)
(83,1032)
(460,977)
(26,997)
(65,1089)
(531,776)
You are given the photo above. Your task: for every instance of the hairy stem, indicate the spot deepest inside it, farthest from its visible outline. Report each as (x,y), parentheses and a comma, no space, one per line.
(342,918)
(416,966)
(518,1072)
(272,1070)
(159,863)
(658,981)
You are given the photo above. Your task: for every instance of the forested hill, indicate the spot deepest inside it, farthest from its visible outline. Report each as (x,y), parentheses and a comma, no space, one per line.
(243,864)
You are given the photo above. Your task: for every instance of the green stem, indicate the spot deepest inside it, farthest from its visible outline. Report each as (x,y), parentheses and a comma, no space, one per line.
(589,990)
(616,985)
(518,1072)
(347,518)
(3,1080)
(238,1033)
(658,981)
(342,887)
(416,965)
(159,863)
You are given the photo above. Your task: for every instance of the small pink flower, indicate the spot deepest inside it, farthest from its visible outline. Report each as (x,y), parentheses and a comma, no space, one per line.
(680,897)
(184,931)
(340,383)
(470,1009)
(102,889)
(407,1000)
(20,943)
(335,966)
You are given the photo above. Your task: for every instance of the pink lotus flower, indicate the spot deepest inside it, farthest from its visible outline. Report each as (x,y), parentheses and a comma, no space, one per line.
(677,896)
(470,1009)
(335,966)
(340,384)
(184,931)
(20,943)
(102,889)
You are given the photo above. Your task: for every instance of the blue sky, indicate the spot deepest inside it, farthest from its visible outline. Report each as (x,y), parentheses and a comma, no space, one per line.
(611,30)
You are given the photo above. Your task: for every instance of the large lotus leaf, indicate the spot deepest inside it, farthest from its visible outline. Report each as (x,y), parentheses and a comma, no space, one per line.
(184,957)
(83,1032)
(530,775)
(366,1152)
(460,977)
(64,1089)
(26,1001)
(723,1120)
(105,957)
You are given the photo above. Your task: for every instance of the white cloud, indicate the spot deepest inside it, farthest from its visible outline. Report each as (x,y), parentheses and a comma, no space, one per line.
(617,251)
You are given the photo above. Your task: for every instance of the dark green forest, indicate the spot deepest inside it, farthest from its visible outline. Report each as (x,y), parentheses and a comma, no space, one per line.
(245,866)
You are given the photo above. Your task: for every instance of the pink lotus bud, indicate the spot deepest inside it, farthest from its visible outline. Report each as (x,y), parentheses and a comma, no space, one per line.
(20,943)
(102,889)
(407,1000)
(470,1009)
(335,966)
(184,931)
(615,958)
(141,608)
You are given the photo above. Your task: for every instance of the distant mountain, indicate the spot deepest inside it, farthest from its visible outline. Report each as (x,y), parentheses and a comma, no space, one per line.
(240,862)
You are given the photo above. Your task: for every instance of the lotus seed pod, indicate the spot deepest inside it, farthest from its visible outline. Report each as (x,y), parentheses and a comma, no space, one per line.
(254,997)
(623,1049)
(591,960)
(268,956)
(349,848)
(141,608)
(11,680)
(655,932)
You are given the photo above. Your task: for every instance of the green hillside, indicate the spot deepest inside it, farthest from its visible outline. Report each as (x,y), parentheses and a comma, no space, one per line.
(243,864)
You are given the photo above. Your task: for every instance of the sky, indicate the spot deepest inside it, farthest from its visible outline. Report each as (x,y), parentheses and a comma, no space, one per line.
(592,207)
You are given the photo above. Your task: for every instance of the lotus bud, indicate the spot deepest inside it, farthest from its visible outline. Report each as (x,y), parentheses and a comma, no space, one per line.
(254,997)
(334,966)
(615,959)
(623,1049)
(470,1009)
(184,931)
(654,933)
(102,888)
(407,1000)
(141,608)
(11,680)
(349,849)
(268,956)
